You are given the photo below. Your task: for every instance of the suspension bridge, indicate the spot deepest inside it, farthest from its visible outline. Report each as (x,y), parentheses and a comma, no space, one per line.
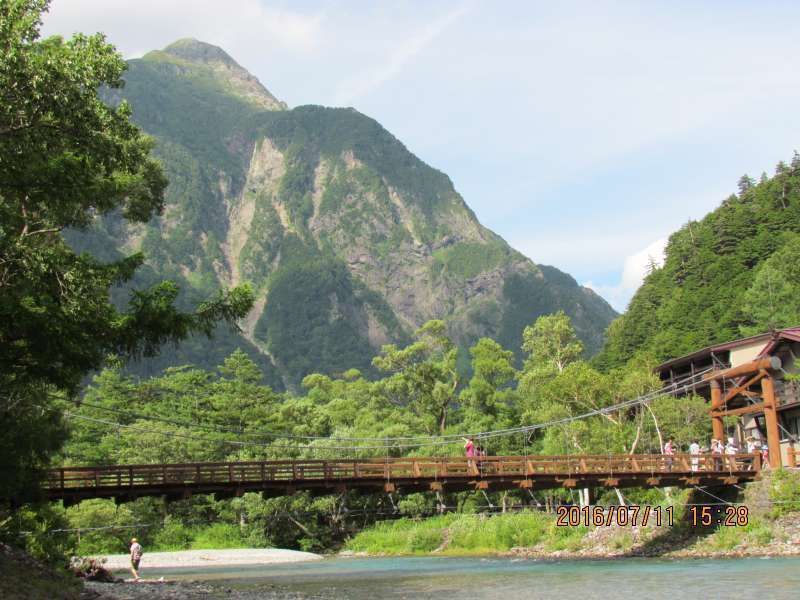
(274,478)
(389,475)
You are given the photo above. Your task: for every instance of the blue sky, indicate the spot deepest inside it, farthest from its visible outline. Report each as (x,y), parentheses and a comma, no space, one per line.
(584,133)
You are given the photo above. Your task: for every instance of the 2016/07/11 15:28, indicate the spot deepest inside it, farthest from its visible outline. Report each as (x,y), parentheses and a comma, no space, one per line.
(606,516)
(635,515)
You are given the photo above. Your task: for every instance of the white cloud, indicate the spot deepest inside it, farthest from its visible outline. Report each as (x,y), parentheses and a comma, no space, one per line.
(585,250)
(634,269)
(362,83)
(240,26)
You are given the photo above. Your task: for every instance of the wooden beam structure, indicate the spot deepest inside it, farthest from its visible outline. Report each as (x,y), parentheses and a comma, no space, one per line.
(717,425)
(762,364)
(744,410)
(771,419)
(759,371)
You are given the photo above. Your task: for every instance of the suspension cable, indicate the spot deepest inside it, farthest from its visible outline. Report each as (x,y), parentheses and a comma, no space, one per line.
(400,442)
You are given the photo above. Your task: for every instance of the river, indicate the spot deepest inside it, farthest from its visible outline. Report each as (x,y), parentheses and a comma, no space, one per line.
(511,579)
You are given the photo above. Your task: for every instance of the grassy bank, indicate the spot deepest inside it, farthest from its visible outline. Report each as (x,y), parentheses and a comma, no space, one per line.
(773,506)
(459,534)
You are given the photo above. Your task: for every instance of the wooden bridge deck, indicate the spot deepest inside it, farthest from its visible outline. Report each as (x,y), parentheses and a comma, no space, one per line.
(278,478)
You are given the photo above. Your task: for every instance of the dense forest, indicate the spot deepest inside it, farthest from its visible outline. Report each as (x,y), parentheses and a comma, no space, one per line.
(734,273)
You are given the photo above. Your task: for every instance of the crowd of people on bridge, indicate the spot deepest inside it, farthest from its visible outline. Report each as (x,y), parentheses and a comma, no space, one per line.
(717,450)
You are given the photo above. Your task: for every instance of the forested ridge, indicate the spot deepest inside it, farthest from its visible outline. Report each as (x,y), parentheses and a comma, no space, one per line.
(734,273)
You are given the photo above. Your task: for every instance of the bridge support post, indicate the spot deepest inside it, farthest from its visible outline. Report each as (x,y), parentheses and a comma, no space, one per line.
(717,426)
(771,418)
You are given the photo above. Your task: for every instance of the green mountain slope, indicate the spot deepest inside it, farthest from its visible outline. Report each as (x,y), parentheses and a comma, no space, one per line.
(734,273)
(349,239)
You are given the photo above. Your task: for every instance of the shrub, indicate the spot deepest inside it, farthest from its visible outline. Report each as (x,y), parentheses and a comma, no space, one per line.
(174,535)
(218,535)
(785,492)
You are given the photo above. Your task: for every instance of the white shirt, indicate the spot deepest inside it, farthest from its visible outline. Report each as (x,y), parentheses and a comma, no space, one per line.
(694,448)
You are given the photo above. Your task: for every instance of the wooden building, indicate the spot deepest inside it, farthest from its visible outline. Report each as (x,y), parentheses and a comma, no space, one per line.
(751,388)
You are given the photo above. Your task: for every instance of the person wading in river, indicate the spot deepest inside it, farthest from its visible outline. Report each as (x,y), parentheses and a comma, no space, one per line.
(136,557)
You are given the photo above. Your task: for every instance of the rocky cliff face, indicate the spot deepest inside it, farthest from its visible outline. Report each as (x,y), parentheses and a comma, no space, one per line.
(349,239)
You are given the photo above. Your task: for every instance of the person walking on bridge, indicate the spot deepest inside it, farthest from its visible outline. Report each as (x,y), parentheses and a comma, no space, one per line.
(136,557)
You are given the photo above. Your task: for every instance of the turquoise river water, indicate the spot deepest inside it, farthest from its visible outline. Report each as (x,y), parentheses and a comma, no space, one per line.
(510,579)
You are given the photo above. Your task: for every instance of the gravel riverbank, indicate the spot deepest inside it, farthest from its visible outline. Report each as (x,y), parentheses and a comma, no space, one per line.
(206,558)
(151,588)
(183,590)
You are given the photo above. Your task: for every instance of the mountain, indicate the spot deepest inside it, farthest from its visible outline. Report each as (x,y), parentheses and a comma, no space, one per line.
(350,240)
(734,273)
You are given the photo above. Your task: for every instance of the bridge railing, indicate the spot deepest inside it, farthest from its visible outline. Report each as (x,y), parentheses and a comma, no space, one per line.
(389,469)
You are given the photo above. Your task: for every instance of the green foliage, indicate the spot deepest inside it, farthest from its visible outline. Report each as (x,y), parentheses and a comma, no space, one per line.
(68,158)
(460,534)
(403,536)
(731,274)
(529,296)
(423,375)
(477,533)
(467,259)
(32,529)
(92,514)
(218,535)
(773,299)
(309,319)
(173,535)
(784,491)
(322,131)
(757,532)
(551,344)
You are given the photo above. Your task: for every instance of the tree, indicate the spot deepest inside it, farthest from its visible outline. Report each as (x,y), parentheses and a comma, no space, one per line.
(551,345)
(66,158)
(773,299)
(492,373)
(423,375)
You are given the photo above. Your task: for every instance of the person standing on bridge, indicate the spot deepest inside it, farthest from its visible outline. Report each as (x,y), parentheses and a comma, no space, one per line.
(669,452)
(730,453)
(136,557)
(694,450)
(469,450)
(716,452)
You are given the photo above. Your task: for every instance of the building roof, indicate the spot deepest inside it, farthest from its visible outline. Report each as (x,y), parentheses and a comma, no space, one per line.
(772,339)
